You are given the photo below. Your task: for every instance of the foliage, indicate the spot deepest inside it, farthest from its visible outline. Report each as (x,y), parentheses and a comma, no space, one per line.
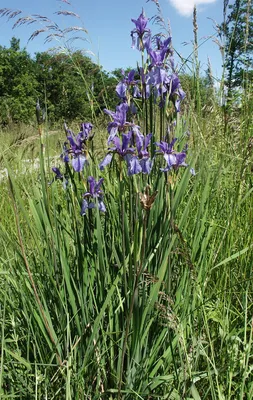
(69,86)
(73,86)
(18,84)
(238,29)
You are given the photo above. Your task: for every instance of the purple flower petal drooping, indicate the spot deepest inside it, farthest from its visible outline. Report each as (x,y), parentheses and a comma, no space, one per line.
(173,159)
(145,161)
(121,147)
(79,162)
(84,207)
(134,166)
(94,197)
(75,146)
(146,165)
(123,87)
(175,91)
(101,206)
(106,161)
(121,90)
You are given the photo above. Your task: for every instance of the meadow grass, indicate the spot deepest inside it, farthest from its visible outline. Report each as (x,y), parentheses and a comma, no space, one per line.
(151,299)
(67,284)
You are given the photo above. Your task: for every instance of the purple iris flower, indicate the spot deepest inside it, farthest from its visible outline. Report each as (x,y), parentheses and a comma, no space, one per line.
(134,166)
(79,162)
(173,159)
(158,78)
(159,55)
(59,176)
(142,146)
(133,108)
(75,147)
(121,90)
(119,120)
(146,165)
(140,35)
(94,193)
(175,91)
(127,81)
(145,85)
(86,128)
(136,92)
(121,148)
(129,78)
(77,151)
(162,44)
(142,162)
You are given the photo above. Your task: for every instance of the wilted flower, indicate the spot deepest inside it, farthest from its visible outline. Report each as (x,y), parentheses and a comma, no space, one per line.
(146,199)
(94,193)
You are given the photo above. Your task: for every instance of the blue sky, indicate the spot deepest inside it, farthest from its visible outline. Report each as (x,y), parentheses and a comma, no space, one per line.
(109,25)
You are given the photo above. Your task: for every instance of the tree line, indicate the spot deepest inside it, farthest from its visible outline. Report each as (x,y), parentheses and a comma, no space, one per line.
(68,86)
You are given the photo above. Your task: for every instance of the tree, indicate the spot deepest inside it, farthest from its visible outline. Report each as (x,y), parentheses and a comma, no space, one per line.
(238,30)
(70,86)
(18,84)
(73,86)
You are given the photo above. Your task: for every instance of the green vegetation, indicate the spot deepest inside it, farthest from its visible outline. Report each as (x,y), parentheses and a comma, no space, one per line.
(238,29)
(69,86)
(152,299)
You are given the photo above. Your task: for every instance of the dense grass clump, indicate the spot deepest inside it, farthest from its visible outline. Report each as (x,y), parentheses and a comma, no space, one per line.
(127,273)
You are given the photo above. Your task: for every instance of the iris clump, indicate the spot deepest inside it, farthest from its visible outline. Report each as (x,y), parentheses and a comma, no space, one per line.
(154,81)
(153,77)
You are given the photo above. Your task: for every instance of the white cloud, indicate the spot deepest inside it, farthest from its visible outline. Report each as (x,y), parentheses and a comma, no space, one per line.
(185,7)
